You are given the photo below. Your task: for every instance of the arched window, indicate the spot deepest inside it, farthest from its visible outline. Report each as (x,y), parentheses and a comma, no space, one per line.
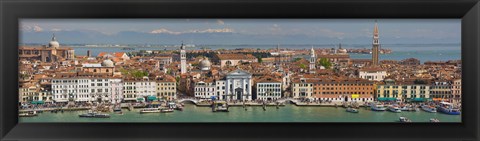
(228,63)
(94,70)
(108,70)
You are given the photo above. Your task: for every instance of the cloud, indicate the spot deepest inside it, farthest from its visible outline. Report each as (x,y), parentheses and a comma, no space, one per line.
(275,28)
(163,30)
(26,28)
(220,22)
(56,29)
(37,28)
(210,30)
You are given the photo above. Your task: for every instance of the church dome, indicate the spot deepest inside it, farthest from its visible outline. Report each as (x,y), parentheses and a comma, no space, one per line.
(108,63)
(342,50)
(54,43)
(205,64)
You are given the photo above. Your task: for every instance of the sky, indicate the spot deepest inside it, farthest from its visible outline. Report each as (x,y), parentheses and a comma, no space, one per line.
(239,31)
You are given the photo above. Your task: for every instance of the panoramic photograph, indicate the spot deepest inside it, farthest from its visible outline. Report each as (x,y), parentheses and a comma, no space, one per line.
(240,70)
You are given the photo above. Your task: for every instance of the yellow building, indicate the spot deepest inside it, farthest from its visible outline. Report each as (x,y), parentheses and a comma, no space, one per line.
(166,87)
(403,91)
(302,88)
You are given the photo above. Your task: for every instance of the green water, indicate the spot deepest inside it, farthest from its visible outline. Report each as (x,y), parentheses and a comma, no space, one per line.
(288,113)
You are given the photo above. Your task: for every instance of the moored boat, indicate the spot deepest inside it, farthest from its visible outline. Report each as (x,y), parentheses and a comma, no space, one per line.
(149,110)
(166,110)
(394,109)
(428,108)
(94,115)
(219,106)
(448,108)
(377,107)
(28,114)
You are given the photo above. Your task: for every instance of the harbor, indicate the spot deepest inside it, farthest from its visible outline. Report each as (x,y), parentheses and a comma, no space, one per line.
(287,110)
(287,113)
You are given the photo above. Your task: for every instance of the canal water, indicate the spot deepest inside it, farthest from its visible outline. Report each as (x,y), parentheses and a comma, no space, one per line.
(288,113)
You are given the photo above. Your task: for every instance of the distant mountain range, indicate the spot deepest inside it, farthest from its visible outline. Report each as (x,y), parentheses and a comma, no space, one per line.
(229,38)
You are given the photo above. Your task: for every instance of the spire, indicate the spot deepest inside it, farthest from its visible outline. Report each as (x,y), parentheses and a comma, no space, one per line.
(375,29)
(54,38)
(182,46)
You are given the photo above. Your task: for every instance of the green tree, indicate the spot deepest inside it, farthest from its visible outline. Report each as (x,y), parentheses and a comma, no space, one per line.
(259,59)
(325,63)
(303,66)
(297,59)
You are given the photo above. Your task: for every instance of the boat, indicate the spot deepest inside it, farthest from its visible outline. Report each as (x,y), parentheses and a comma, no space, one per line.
(94,115)
(352,110)
(179,108)
(404,119)
(166,110)
(220,106)
(377,107)
(28,114)
(428,108)
(394,109)
(434,120)
(149,110)
(448,108)
(118,110)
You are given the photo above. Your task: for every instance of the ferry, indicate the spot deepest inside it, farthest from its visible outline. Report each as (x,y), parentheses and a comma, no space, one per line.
(448,108)
(377,107)
(28,114)
(166,110)
(219,106)
(429,109)
(434,120)
(352,110)
(94,115)
(150,110)
(394,109)
(404,119)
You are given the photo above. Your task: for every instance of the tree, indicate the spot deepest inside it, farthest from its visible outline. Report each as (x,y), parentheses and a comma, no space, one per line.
(297,59)
(303,66)
(259,59)
(325,63)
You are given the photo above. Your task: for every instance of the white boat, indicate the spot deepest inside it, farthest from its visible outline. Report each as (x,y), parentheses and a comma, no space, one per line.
(377,107)
(429,108)
(28,114)
(149,110)
(434,120)
(394,109)
(448,108)
(352,110)
(404,119)
(166,110)
(91,114)
(220,106)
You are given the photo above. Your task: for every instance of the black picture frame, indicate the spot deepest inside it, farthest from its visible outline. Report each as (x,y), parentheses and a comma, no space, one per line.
(13,10)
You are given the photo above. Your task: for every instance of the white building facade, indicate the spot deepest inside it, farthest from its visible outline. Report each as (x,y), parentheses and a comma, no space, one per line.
(238,85)
(372,74)
(269,90)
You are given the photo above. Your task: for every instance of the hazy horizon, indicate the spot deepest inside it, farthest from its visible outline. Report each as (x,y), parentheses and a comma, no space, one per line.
(239,31)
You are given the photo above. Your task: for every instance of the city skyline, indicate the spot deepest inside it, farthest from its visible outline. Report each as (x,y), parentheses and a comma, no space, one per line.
(239,31)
